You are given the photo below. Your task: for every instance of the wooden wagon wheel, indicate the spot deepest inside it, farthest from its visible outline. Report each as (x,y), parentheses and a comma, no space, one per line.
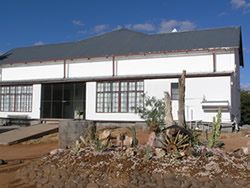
(174,138)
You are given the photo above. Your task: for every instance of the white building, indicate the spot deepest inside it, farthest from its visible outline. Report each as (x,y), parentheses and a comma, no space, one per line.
(106,75)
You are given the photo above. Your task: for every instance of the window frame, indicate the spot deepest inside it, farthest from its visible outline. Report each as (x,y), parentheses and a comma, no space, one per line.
(16,98)
(100,107)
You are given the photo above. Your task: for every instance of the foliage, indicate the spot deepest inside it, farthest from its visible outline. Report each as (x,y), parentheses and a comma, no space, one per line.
(147,155)
(195,137)
(76,150)
(152,111)
(79,112)
(245,106)
(99,147)
(134,139)
(216,130)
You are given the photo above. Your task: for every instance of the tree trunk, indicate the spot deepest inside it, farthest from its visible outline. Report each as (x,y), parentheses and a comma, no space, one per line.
(168,110)
(181,112)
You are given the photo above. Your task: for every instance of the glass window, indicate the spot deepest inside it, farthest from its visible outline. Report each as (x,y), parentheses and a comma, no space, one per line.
(174,91)
(122,96)
(16,98)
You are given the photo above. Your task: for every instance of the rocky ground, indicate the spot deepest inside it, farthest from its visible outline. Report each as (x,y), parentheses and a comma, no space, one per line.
(87,168)
(228,167)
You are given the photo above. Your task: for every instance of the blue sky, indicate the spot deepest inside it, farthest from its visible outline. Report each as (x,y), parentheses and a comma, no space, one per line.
(37,22)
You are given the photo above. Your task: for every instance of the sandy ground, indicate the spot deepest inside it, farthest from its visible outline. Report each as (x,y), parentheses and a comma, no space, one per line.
(20,154)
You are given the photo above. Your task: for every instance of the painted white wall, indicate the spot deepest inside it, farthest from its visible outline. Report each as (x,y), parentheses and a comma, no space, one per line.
(91,108)
(34,71)
(89,69)
(225,62)
(212,88)
(166,65)
(36,105)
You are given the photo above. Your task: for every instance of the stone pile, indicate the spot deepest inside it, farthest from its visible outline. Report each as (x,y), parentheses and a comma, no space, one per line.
(129,169)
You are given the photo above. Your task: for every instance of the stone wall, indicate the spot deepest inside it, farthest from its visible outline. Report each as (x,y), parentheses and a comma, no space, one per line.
(70,131)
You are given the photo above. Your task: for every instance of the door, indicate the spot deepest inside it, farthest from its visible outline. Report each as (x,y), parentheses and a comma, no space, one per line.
(61,100)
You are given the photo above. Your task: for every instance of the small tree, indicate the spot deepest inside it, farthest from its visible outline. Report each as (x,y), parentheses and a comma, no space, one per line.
(153,112)
(245,106)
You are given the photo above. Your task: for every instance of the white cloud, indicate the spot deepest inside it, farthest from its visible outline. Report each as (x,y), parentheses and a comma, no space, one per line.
(240,3)
(168,26)
(39,43)
(144,27)
(76,22)
(245,86)
(100,28)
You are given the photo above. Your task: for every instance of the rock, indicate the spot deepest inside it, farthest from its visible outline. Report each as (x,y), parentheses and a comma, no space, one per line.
(151,140)
(159,153)
(92,185)
(186,184)
(128,141)
(104,135)
(242,182)
(2,162)
(130,152)
(70,184)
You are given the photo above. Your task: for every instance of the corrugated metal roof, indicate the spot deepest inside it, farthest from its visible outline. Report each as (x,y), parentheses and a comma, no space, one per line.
(126,41)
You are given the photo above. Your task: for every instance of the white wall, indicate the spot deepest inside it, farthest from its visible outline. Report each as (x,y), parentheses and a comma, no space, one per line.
(225,62)
(212,88)
(86,69)
(36,105)
(166,65)
(34,71)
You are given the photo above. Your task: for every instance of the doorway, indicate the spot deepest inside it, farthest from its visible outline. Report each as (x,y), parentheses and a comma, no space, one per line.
(62,100)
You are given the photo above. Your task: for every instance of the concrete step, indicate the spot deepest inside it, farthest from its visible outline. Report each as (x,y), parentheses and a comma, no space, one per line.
(26,133)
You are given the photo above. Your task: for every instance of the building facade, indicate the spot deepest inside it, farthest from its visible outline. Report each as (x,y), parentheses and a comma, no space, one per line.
(107,75)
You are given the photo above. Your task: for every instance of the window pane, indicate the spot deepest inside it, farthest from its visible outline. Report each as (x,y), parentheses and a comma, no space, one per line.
(140,86)
(99,87)
(124,102)
(116,86)
(115,102)
(100,102)
(107,86)
(131,98)
(139,99)
(107,102)
(131,86)
(124,86)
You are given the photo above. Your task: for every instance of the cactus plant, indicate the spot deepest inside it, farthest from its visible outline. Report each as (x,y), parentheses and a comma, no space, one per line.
(134,139)
(216,130)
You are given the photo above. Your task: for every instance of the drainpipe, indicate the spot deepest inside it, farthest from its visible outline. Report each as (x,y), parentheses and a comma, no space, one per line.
(113,59)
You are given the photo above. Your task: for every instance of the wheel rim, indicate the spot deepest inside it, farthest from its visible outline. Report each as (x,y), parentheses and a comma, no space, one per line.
(174,138)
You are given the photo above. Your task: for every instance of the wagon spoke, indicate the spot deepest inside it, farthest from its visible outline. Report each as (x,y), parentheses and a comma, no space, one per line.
(176,138)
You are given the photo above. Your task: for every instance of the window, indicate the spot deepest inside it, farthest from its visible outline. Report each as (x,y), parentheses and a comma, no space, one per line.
(174,91)
(119,96)
(16,98)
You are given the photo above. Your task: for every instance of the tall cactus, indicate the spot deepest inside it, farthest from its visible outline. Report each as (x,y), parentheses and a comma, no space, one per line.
(216,130)
(134,139)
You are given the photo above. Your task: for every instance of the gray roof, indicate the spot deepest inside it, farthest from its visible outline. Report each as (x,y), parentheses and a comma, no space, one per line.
(125,42)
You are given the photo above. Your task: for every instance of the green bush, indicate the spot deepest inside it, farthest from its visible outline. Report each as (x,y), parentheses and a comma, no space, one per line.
(245,106)
(152,111)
